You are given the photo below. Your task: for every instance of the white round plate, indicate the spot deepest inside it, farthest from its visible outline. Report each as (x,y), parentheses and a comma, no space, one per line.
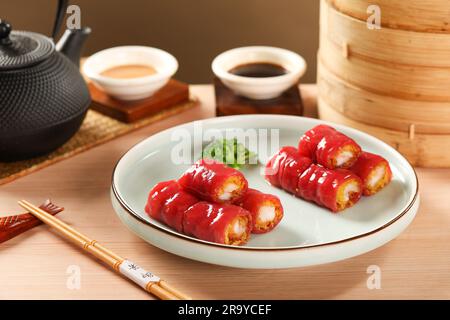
(307,235)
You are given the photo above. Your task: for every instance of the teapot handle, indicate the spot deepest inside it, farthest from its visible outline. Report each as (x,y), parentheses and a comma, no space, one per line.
(60,13)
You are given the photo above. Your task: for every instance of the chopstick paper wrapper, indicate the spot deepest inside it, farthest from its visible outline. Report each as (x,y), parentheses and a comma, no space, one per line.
(12,226)
(150,282)
(135,273)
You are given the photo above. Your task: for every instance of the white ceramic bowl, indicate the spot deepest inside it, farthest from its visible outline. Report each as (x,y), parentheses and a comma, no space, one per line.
(135,88)
(259,88)
(307,235)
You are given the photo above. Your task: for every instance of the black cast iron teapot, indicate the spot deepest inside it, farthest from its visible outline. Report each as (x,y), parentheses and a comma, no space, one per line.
(43,96)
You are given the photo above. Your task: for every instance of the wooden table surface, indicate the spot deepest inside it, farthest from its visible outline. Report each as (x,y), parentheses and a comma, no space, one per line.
(41,265)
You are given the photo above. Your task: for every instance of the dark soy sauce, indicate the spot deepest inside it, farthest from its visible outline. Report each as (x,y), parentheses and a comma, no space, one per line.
(258,70)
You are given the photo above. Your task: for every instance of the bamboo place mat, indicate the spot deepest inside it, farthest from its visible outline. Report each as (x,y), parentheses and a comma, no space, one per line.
(95,130)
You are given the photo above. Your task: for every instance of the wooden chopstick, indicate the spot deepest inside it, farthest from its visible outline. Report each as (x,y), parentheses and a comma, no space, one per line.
(146,280)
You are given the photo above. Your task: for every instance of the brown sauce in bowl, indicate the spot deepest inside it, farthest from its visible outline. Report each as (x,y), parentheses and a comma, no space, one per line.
(258,70)
(129,71)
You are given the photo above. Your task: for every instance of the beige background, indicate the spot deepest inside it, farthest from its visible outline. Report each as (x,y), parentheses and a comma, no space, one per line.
(193,30)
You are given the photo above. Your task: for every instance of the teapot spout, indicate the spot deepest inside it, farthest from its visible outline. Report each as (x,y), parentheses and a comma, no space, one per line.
(72,42)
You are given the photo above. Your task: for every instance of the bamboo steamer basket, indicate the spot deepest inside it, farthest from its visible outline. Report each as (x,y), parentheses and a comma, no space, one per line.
(414,82)
(406,82)
(423,150)
(416,15)
(410,48)
(386,82)
(382,111)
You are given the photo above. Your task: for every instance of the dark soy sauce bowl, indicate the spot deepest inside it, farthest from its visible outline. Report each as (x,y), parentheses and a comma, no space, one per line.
(259,72)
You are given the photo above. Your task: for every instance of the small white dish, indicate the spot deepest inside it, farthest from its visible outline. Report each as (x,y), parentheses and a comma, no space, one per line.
(259,88)
(307,235)
(133,88)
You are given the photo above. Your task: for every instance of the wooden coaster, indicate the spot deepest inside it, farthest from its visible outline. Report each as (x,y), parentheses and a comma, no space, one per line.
(228,103)
(173,93)
(95,130)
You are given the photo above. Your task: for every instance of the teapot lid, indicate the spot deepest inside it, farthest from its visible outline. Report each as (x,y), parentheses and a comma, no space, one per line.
(19,49)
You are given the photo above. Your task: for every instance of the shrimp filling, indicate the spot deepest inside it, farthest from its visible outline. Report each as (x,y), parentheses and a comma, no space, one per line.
(376,176)
(348,194)
(267,217)
(349,190)
(236,232)
(345,157)
(231,189)
(266,214)
(376,180)
(228,191)
(238,228)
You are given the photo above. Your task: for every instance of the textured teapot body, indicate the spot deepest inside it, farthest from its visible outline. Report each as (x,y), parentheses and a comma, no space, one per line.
(41,107)
(43,96)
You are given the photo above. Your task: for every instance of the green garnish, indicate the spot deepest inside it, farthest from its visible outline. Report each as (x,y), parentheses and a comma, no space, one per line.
(229,151)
